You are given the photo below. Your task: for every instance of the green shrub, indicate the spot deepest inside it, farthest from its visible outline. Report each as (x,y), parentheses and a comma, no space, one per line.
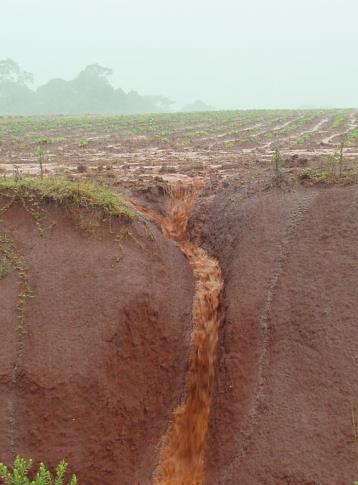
(22,467)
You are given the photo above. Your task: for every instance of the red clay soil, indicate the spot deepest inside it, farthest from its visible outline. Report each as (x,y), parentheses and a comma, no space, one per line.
(108,332)
(105,353)
(287,375)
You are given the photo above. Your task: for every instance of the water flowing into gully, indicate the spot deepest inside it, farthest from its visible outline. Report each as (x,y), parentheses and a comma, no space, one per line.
(181,460)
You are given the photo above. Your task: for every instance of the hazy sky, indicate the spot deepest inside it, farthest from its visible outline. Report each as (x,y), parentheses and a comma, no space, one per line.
(230,53)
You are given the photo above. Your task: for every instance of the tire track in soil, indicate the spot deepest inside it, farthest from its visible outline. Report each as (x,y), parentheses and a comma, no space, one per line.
(296,218)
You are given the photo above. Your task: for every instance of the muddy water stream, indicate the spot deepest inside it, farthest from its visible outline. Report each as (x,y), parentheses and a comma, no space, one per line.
(181,460)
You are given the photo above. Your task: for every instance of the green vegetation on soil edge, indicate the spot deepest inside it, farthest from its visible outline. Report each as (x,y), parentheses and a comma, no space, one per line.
(21,469)
(82,194)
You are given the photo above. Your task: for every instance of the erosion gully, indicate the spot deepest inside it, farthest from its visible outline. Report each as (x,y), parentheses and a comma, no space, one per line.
(182,454)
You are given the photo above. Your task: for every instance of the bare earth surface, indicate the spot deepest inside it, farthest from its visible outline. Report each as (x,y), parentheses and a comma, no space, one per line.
(104,353)
(286,378)
(143,146)
(103,361)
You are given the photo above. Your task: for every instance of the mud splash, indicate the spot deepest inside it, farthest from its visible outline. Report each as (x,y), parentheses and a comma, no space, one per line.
(181,460)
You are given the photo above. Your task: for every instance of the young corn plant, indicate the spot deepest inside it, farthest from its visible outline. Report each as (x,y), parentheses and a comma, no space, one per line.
(41,156)
(341,157)
(277,161)
(22,467)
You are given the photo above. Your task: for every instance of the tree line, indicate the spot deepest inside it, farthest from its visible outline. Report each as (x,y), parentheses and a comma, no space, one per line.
(89,92)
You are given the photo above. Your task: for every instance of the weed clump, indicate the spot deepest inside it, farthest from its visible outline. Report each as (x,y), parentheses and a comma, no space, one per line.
(21,469)
(331,169)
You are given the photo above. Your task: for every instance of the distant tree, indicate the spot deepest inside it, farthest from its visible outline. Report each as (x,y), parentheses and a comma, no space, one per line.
(120,104)
(140,104)
(198,105)
(94,73)
(10,72)
(56,97)
(161,102)
(89,92)
(93,91)
(15,95)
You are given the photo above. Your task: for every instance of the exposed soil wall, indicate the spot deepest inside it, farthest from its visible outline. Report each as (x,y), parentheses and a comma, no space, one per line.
(99,365)
(102,361)
(287,376)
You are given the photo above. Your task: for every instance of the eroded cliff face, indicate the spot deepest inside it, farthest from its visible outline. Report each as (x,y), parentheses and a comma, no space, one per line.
(286,379)
(100,349)
(95,369)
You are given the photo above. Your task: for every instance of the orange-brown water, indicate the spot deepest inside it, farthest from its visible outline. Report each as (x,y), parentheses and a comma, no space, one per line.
(181,460)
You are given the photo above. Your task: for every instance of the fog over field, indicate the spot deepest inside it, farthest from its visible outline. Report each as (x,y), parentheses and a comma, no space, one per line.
(230,54)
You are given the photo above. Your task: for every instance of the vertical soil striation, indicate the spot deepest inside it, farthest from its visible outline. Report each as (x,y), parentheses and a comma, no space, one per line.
(181,459)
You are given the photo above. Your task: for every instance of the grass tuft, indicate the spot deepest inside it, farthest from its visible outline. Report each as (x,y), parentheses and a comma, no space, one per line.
(22,467)
(80,194)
